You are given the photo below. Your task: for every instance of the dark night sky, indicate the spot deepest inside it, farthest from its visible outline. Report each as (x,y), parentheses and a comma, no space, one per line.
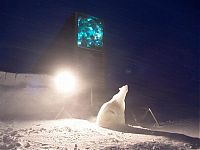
(150,45)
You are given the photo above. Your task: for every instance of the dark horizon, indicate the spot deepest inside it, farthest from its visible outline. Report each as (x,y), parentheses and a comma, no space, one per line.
(150,45)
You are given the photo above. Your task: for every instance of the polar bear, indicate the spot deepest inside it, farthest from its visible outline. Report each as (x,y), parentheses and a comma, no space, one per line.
(111,113)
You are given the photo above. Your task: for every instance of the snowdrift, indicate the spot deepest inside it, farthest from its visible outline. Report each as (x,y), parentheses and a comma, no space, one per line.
(78,134)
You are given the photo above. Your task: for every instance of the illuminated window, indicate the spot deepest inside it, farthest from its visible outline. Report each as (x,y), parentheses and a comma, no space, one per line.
(89,32)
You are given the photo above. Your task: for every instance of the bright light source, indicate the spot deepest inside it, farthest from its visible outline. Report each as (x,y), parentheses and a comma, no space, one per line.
(65,81)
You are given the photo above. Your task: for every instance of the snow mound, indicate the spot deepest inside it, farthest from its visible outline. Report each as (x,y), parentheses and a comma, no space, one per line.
(77,134)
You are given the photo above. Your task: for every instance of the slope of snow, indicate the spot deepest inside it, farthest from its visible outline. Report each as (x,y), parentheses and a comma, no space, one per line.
(190,127)
(77,134)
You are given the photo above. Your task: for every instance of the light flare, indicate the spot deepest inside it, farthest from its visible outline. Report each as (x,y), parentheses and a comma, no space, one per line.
(65,81)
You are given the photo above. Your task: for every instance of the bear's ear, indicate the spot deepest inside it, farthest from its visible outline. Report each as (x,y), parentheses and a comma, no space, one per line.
(120,89)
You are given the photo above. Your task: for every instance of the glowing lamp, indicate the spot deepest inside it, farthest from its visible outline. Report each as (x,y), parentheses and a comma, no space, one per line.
(65,81)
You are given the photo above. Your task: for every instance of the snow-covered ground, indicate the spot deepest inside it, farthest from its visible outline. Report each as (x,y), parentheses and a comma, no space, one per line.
(77,134)
(28,96)
(190,127)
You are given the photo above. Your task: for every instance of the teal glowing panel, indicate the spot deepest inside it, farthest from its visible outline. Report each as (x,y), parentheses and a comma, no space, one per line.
(89,32)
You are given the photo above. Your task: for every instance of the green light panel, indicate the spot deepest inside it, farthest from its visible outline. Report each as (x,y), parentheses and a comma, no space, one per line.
(90,32)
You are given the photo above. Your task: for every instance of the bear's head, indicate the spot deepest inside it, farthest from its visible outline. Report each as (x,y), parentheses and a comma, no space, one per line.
(124,89)
(120,96)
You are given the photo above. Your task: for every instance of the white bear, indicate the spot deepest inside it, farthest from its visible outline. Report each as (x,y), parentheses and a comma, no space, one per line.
(111,113)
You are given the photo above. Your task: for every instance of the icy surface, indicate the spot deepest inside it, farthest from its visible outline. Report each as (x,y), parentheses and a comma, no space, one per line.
(190,127)
(77,134)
